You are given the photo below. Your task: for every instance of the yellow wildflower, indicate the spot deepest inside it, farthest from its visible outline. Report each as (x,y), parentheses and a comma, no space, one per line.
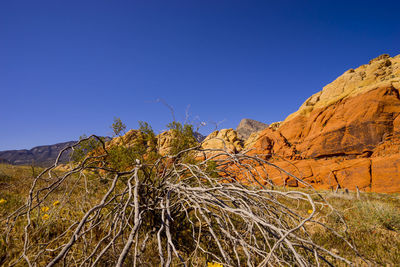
(214,264)
(45,217)
(3,201)
(45,209)
(310,211)
(56,203)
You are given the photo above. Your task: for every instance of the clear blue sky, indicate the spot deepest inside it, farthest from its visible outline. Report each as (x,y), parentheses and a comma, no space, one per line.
(69,67)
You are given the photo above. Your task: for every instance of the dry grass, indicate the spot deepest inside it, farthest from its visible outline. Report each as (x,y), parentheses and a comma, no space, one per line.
(374,225)
(373,220)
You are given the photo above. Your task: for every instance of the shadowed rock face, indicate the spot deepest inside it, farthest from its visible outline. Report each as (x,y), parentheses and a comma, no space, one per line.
(348,134)
(39,156)
(247,126)
(199,137)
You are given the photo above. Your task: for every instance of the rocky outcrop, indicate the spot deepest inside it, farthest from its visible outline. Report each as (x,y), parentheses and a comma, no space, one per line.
(350,126)
(225,139)
(132,138)
(350,116)
(129,139)
(247,127)
(347,134)
(270,142)
(275,125)
(162,144)
(380,72)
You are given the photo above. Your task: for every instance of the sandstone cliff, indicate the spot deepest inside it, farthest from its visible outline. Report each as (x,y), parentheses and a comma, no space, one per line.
(347,134)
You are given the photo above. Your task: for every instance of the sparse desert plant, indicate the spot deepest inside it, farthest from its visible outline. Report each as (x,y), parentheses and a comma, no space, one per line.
(216,208)
(118,127)
(85,146)
(380,214)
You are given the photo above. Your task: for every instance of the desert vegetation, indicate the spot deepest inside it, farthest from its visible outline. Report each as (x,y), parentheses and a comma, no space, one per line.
(128,204)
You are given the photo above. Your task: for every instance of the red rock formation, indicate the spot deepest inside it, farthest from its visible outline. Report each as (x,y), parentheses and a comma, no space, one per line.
(348,134)
(350,126)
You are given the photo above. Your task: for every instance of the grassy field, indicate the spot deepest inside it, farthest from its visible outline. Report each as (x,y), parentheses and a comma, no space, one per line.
(373,219)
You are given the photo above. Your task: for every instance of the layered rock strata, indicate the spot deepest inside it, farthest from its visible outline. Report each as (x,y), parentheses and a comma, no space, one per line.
(347,134)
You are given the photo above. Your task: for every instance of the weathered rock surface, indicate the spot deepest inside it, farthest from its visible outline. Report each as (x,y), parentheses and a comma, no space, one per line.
(135,138)
(348,134)
(247,127)
(164,142)
(226,139)
(348,127)
(270,142)
(129,139)
(380,72)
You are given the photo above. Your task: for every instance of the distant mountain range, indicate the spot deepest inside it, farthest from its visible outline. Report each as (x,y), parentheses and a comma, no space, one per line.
(38,156)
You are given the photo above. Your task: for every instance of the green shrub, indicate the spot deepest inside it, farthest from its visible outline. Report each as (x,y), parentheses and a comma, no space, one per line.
(183,137)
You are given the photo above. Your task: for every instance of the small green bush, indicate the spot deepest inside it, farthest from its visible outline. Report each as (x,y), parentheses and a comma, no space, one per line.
(183,137)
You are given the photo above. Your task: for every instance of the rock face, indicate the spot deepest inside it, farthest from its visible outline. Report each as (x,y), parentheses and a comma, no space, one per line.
(163,144)
(350,126)
(225,139)
(348,134)
(199,137)
(247,126)
(380,72)
(39,156)
(129,139)
(270,142)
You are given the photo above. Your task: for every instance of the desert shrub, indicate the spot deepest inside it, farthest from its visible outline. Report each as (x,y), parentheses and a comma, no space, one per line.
(4,178)
(379,214)
(183,137)
(118,127)
(144,147)
(86,145)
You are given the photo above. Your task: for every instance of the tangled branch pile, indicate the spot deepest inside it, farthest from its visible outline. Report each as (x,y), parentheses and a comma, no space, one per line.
(188,209)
